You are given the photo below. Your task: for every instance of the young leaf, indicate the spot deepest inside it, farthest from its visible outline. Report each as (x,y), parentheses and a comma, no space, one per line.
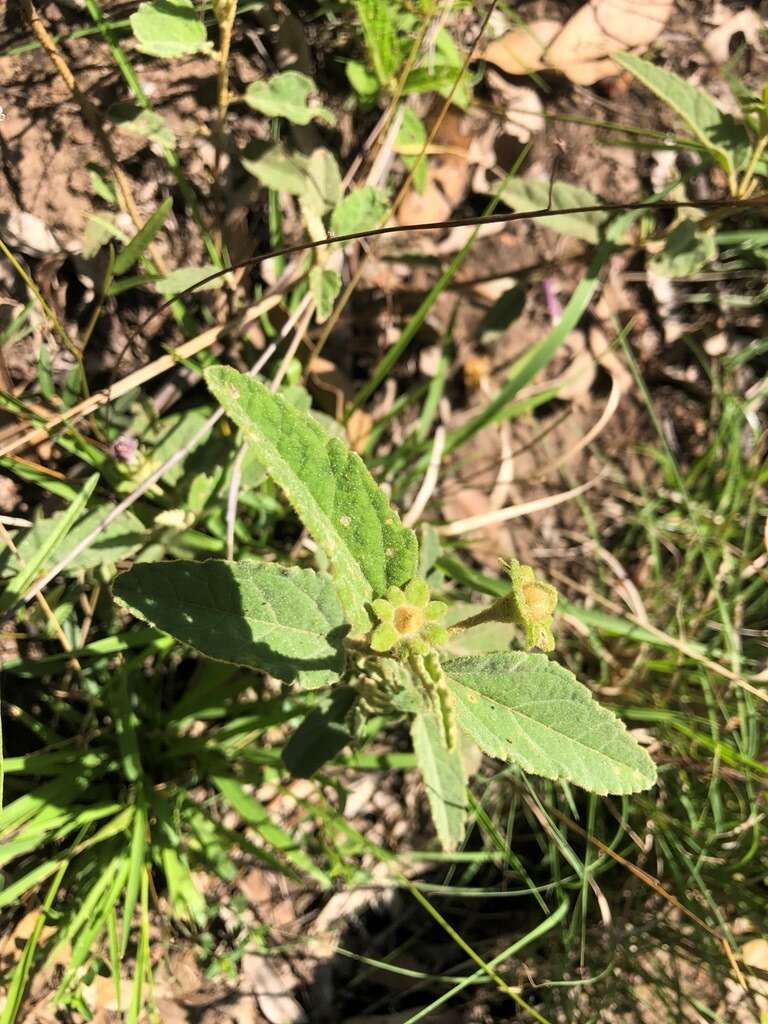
(325,285)
(529,710)
(362,210)
(723,136)
(321,735)
(444,778)
(169,28)
(333,493)
(363,81)
(523,194)
(287,622)
(286,95)
(382,32)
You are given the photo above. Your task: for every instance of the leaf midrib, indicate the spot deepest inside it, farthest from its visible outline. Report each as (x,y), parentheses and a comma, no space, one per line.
(556,733)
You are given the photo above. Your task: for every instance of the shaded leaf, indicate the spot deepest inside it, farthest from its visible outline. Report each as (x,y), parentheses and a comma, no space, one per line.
(522,194)
(444,778)
(275,168)
(325,285)
(287,622)
(42,553)
(688,248)
(186,277)
(529,710)
(286,95)
(121,539)
(139,121)
(333,493)
(321,736)
(410,141)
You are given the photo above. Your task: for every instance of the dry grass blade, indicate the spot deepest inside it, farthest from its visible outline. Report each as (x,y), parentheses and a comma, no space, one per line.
(503,515)
(137,378)
(142,489)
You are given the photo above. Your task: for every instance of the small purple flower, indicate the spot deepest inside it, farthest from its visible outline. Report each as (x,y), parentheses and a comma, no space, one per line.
(125,449)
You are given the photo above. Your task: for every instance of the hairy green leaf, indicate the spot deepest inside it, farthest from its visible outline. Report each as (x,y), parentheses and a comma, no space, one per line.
(688,248)
(186,277)
(379,22)
(529,710)
(169,28)
(287,622)
(323,183)
(276,168)
(523,194)
(286,95)
(720,133)
(444,778)
(325,285)
(333,493)
(362,210)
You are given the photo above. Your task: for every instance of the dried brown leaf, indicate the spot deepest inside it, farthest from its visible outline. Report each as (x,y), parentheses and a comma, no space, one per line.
(748,23)
(603,27)
(522,50)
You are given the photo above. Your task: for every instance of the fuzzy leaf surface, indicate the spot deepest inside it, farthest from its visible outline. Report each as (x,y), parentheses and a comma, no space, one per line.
(529,710)
(330,488)
(523,194)
(287,622)
(169,28)
(444,778)
(286,95)
(361,210)
(325,285)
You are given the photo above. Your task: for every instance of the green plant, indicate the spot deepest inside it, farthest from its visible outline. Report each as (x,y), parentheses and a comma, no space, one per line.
(368,638)
(388,30)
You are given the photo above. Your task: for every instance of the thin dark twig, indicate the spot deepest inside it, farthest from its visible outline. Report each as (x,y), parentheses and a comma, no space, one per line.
(458,222)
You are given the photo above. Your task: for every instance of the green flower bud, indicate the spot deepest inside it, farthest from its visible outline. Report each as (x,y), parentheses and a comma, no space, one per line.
(531,605)
(407,617)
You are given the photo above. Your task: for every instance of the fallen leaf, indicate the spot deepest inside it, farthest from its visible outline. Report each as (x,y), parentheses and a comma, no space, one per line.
(581,48)
(522,50)
(587,72)
(447,175)
(522,106)
(755,953)
(747,22)
(271,986)
(359,427)
(29,234)
(603,27)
